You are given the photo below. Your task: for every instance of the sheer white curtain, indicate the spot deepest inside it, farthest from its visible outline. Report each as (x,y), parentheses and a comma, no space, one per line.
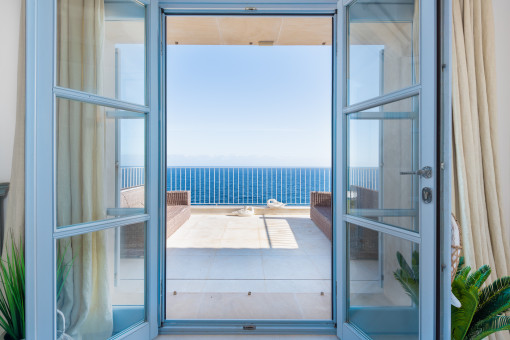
(85,299)
(476,196)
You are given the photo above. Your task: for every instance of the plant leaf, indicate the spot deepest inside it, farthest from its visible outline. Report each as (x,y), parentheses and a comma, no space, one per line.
(494,299)
(468,297)
(404,265)
(12,292)
(478,277)
(410,285)
(408,277)
(487,327)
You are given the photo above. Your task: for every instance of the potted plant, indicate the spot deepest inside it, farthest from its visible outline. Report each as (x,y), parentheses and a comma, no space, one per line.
(482,309)
(12,290)
(12,293)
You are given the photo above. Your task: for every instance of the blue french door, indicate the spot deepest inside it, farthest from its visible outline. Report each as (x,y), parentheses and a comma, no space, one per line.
(386,118)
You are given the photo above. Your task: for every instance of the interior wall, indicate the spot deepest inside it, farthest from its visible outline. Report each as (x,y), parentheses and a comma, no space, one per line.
(502,25)
(9,41)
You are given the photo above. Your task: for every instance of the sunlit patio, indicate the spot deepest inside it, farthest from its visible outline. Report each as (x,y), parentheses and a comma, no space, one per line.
(268,266)
(259,267)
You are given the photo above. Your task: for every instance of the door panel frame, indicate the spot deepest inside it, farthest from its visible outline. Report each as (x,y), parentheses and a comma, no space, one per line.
(266,8)
(41,234)
(39,178)
(426,238)
(443,297)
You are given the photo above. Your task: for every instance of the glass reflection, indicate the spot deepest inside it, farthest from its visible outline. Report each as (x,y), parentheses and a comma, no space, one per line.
(384,47)
(383,150)
(101,48)
(100,163)
(383,284)
(100,282)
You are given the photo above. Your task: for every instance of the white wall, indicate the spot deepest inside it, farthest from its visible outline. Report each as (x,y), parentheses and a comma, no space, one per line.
(9,41)
(501,13)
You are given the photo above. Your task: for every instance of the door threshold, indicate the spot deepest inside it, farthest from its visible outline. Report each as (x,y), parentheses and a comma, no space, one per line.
(247,327)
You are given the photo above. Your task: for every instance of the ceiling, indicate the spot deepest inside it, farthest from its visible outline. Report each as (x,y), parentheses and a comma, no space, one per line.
(242,30)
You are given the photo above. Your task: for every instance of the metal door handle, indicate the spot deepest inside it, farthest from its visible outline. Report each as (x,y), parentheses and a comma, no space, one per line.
(425,172)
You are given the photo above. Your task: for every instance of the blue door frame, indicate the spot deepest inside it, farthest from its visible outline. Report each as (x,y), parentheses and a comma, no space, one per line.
(40,239)
(326,327)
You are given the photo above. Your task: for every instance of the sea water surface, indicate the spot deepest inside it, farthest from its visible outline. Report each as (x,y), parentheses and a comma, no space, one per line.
(251,185)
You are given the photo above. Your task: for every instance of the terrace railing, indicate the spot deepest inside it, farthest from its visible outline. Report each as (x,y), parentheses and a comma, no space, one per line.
(131,176)
(251,186)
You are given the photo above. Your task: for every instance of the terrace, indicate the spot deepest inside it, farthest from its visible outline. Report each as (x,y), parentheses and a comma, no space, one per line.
(276,264)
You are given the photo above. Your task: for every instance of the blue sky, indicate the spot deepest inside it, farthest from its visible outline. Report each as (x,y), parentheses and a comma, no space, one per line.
(251,105)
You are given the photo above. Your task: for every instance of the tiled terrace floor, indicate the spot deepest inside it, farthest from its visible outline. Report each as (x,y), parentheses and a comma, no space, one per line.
(213,261)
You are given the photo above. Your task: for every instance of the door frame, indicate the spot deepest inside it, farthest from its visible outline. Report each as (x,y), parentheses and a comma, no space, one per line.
(234,8)
(39,241)
(428,95)
(40,232)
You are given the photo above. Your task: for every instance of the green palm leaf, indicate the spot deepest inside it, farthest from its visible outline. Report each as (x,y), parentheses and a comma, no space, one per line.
(403,264)
(478,277)
(494,299)
(409,277)
(415,263)
(468,297)
(498,286)
(464,272)
(410,286)
(12,296)
(489,326)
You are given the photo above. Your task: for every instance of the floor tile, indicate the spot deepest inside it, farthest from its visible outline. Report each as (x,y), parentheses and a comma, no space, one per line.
(289,267)
(239,267)
(188,267)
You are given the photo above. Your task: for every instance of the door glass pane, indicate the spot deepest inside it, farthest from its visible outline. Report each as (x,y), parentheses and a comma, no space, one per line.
(101,50)
(100,162)
(382,150)
(101,282)
(383,280)
(383,47)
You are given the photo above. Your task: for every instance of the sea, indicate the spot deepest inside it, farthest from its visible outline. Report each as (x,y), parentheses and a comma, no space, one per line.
(250,185)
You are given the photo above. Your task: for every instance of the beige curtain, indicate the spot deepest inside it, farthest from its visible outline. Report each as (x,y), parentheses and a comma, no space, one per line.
(476,196)
(85,299)
(15,213)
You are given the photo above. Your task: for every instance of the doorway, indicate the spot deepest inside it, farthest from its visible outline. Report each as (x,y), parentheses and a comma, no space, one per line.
(249,149)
